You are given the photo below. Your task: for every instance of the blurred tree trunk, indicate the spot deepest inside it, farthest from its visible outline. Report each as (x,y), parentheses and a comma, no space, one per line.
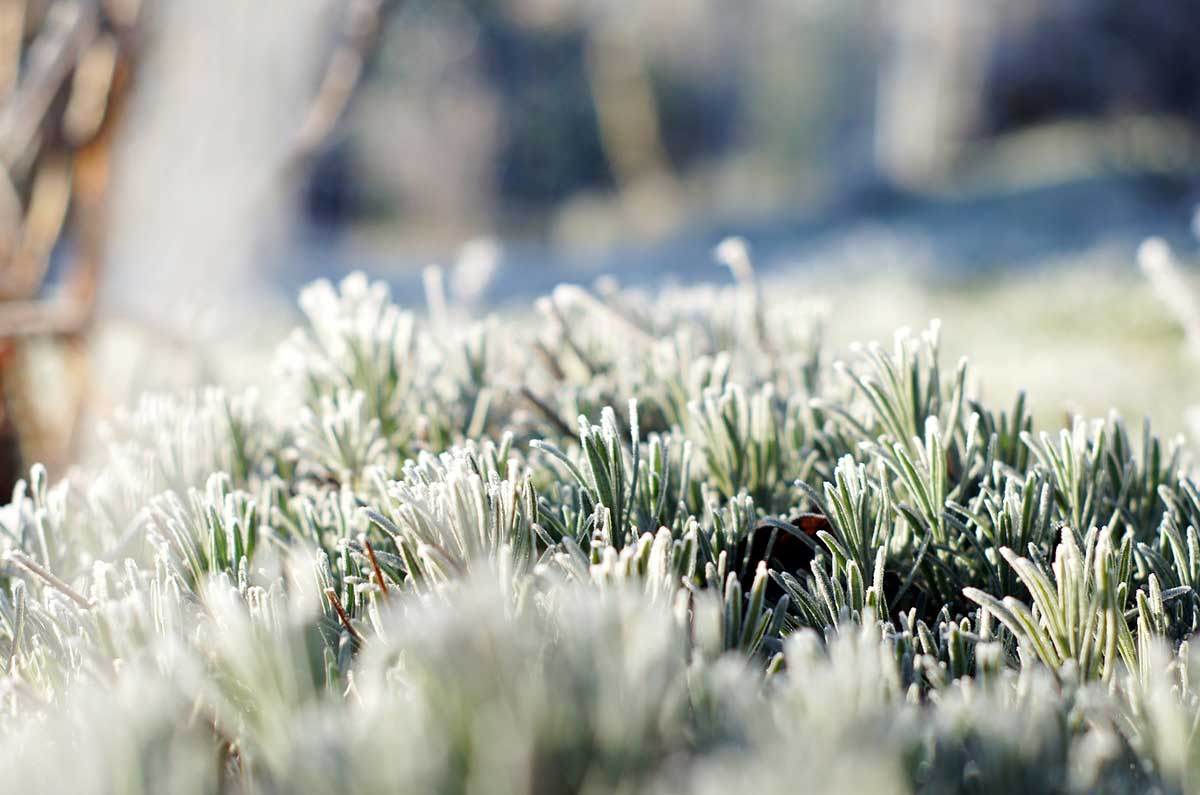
(930,82)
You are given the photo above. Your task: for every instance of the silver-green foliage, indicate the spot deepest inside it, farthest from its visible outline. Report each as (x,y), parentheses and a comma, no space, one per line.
(765,572)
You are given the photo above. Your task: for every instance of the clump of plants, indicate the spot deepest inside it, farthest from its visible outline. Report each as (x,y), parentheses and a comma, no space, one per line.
(628,543)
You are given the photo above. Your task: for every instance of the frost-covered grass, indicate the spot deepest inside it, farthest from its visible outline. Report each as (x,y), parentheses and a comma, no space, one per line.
(625,543)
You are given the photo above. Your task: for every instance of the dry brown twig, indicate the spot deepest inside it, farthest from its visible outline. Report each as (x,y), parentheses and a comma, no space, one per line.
(342,616)
(375,566)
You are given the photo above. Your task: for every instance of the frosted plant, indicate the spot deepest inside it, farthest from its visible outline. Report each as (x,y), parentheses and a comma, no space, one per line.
(176,442)
(742,568)
(337,440)
(739,438)
(1159,704)
(448,512)
(158,747)
(1078,616)
(1173,291)
(202,532)
(606,474)
(356,341)
(1158,264)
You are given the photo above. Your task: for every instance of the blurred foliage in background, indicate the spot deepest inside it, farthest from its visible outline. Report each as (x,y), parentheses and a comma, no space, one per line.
(856,136)
(483,114)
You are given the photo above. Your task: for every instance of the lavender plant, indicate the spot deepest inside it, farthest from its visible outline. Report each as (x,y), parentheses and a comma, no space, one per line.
(630,543)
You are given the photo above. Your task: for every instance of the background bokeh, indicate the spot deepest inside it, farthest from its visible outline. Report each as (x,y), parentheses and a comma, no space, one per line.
(993,163)
(610,136)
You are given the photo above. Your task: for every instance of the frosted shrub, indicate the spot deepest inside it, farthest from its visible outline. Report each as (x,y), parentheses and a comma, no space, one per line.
(628,543)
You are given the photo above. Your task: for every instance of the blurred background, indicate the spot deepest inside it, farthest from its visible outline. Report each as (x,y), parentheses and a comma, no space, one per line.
(175,170)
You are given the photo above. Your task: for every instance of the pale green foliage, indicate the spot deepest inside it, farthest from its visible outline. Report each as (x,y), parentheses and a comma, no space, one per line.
(698,558)
(450,512)
(1077,615)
